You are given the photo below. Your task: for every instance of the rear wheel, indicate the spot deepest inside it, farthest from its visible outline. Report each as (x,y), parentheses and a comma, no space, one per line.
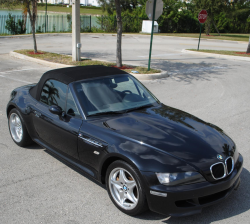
(125,188)
(17,129)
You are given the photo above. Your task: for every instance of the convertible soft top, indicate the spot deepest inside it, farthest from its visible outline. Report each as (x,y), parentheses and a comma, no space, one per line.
(72,74)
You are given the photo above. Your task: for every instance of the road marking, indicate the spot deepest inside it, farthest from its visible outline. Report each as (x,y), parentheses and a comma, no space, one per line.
(14,79)
(19,80)
(18,70)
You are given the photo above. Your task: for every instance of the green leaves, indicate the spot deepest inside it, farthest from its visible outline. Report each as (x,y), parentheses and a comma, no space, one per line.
(15,27)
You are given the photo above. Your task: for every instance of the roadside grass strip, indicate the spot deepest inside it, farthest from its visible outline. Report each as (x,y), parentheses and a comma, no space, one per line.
(224,36)
(232,53)
(67,60)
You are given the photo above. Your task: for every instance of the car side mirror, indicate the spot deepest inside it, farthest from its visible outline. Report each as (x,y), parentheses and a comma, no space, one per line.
(54,109)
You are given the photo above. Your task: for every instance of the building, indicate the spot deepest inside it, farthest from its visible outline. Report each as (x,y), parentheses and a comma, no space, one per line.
(84,2)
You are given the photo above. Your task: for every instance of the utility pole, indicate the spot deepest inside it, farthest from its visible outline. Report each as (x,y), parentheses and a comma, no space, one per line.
(46,16)
(76,38)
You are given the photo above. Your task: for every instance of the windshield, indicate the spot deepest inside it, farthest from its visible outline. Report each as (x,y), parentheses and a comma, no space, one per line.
(112,94)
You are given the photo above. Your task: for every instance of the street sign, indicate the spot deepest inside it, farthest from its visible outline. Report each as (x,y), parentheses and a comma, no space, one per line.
(202,17)
(150,7)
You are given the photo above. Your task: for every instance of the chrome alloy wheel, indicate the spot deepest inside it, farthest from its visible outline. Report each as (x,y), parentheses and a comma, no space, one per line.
(16,128)
(123,188)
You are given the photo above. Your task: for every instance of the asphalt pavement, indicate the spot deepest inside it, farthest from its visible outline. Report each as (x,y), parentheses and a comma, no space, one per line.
(35,187)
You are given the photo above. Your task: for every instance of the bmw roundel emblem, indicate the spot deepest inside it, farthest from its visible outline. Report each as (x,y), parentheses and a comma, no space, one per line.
(124,187)
(219,157)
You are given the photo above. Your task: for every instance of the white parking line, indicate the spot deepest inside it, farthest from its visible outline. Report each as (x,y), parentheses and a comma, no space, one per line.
(18,70)
(2,76)
(19,80)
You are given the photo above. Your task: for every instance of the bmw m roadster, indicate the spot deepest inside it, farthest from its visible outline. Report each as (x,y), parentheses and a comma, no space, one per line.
(106,123)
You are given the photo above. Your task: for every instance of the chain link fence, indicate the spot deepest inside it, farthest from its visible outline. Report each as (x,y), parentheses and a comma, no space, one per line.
(17,24)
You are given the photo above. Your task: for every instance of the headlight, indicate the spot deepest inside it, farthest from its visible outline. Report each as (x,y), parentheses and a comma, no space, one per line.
(180,178)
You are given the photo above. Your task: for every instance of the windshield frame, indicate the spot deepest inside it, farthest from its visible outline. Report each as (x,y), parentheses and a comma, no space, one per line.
(90,116)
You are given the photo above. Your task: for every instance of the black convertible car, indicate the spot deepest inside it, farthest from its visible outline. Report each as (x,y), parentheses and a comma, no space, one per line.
(106,123)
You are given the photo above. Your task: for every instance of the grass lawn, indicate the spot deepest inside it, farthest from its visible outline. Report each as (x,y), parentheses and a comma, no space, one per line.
(233,53)
(224,36)
(65,59)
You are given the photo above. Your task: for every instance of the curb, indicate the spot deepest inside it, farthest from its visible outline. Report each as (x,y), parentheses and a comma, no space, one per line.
(142,77)
(163,74)
(237,58)
(207,39)
(124,34)
(39,61)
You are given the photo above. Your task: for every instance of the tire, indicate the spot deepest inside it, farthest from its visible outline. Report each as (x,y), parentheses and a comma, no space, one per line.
(17,128)
(120,176)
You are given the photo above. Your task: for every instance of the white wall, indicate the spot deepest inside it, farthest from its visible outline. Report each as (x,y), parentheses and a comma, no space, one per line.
(91,2)
(85,2)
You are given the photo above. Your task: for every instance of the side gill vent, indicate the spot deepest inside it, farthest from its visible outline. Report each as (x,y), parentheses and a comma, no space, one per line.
(107,126)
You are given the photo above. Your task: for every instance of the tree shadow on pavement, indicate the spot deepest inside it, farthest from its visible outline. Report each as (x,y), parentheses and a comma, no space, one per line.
(236,204)
(188,72)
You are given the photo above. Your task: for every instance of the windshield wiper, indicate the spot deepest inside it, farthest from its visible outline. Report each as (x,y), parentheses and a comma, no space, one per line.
(106,112)
(120,111)
(136,108)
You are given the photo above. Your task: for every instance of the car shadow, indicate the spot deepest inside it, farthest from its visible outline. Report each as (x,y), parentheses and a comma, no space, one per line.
(236,204)
(76,169)
(34,146)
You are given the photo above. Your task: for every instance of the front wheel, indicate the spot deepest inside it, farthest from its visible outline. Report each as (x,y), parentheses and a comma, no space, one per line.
(17,129)
(125,188)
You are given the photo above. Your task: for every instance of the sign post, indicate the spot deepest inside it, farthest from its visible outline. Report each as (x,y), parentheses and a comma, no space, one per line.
(151,39)
(202,17)
(154,9)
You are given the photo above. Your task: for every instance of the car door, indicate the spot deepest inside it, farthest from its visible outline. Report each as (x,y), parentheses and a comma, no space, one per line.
(58,131)
(92,149)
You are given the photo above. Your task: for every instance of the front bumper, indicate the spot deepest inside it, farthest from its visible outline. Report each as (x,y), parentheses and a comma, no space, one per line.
(189,199)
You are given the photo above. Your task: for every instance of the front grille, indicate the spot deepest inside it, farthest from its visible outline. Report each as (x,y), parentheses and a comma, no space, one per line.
(230,165)
(218,170)
(205,200)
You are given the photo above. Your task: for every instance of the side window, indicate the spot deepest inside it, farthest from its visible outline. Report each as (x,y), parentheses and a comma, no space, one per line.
(71,108)
(54,93)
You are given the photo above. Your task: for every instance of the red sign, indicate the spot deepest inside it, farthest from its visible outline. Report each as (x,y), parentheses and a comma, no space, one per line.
(202,16)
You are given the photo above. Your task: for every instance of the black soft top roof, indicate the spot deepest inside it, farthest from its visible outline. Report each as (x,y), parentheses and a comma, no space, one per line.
(72,74)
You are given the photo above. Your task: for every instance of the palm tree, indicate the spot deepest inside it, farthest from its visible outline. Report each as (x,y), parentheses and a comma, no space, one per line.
(50,94)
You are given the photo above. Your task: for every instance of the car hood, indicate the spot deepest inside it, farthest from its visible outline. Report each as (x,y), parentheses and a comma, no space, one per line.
(175,132)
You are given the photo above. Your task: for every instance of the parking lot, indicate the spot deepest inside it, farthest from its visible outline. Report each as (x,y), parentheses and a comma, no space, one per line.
(35,187)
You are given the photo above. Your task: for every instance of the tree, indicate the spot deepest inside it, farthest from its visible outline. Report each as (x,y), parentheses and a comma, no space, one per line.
(13,27)
(118,6)
(214,8)
(178,17)
(31,6)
